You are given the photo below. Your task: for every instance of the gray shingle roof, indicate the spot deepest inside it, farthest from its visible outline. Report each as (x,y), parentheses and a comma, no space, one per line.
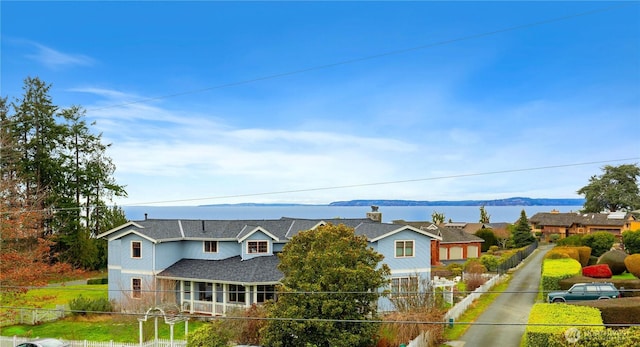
(449,235)
(233,270)
(283,229)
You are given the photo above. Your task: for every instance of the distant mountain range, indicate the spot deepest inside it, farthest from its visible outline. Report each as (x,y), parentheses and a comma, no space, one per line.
(516,201)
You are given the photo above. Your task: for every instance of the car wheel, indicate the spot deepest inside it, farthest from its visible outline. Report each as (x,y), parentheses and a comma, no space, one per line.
(604,298)
(557,300)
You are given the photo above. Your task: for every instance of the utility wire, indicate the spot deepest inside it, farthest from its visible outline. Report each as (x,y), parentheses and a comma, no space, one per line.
(386,182)
(548,167)
(370,57)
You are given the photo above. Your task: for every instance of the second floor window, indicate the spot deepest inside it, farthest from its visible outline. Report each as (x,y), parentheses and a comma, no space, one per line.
(136,249)
(257,247)
(404,249)
(210,246)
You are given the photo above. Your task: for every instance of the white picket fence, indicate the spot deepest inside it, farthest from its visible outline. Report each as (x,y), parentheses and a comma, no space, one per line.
(32,316)
(14,341)
(458,309)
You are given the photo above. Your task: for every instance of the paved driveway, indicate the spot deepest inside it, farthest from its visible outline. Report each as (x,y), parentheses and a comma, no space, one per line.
(495,326)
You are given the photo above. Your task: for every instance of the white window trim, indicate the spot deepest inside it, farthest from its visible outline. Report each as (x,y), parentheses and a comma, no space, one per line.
(204,246)
(413,249)
(139,242)
(257,248)
(133,291)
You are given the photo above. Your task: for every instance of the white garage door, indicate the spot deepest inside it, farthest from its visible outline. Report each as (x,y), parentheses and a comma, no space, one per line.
(472,252)
(443,253)
(455,253)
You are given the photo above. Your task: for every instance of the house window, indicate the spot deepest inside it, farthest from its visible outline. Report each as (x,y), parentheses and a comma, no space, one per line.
(136,287)
(404,249)
(236,293)
(205,291)
(187,290)
(404,285)
(210,246)
(257,246)
(136,249)
(265,293)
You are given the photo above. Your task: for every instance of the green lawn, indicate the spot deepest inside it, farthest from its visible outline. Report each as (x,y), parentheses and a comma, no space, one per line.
(49,297)
(99,328)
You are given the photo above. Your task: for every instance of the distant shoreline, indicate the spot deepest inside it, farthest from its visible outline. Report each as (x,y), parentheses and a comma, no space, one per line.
(516,201)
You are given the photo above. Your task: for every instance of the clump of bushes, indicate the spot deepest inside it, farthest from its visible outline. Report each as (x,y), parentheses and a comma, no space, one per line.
(83,306)
(545,322)
(94,281)
(597,271)
(209,335)
(555,270)
(455,269)
(609,338)
(615,260)
(632,263)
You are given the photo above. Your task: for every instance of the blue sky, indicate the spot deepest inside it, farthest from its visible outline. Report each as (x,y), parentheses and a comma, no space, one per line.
(221,102)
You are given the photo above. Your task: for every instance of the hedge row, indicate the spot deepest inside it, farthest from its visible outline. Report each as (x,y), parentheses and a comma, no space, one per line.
(555,270)
(579,253)
(104,280)
(603,338)
(545,322)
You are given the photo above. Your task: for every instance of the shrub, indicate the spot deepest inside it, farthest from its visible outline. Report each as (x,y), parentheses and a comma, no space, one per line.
(624,311)
(490,262)
(455,269)
(632,263)
(395,330)
(601,338)
(631,241)
(585,254)
(572,252)
(615,260)
(93,281)
(246,329)
(554,254)
(555,270)
(82,305)
(573,240)
(489,238)
(474,266)
(545,322)
(597,271)
(600,242)
(209,335)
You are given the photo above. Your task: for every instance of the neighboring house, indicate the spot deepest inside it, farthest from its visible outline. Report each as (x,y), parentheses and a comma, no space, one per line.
(212,266)
(456,244)
(576,223)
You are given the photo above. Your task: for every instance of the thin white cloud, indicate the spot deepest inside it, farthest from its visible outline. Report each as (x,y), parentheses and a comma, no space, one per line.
(54,59)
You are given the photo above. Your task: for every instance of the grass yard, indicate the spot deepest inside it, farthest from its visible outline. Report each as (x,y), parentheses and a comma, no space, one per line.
(49,297)
(100,328)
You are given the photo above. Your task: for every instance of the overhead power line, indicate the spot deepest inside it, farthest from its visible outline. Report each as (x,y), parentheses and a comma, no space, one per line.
(370,57)
(386,182)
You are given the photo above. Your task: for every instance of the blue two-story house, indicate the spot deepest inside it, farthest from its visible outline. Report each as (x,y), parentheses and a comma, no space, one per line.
(213,266)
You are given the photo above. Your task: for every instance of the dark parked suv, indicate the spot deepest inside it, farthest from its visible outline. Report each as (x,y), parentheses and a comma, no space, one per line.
(585,291)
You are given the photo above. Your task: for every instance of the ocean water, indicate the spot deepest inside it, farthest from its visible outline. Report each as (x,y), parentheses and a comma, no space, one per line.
(469,214)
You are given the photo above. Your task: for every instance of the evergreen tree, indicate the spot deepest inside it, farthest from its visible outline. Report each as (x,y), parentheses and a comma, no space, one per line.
(522,235)
(484,216)
(62,165)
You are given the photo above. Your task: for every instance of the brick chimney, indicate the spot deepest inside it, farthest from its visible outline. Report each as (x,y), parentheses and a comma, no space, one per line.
(374,215)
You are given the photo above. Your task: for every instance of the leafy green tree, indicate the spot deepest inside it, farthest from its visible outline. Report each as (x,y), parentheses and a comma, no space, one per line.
(616,189)
(600,242)
(522,235)
(484,216)
(437,218)
(328,294)
(631,241)
(489,238)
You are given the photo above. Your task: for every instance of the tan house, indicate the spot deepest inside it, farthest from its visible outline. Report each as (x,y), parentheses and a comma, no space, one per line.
(576,223)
